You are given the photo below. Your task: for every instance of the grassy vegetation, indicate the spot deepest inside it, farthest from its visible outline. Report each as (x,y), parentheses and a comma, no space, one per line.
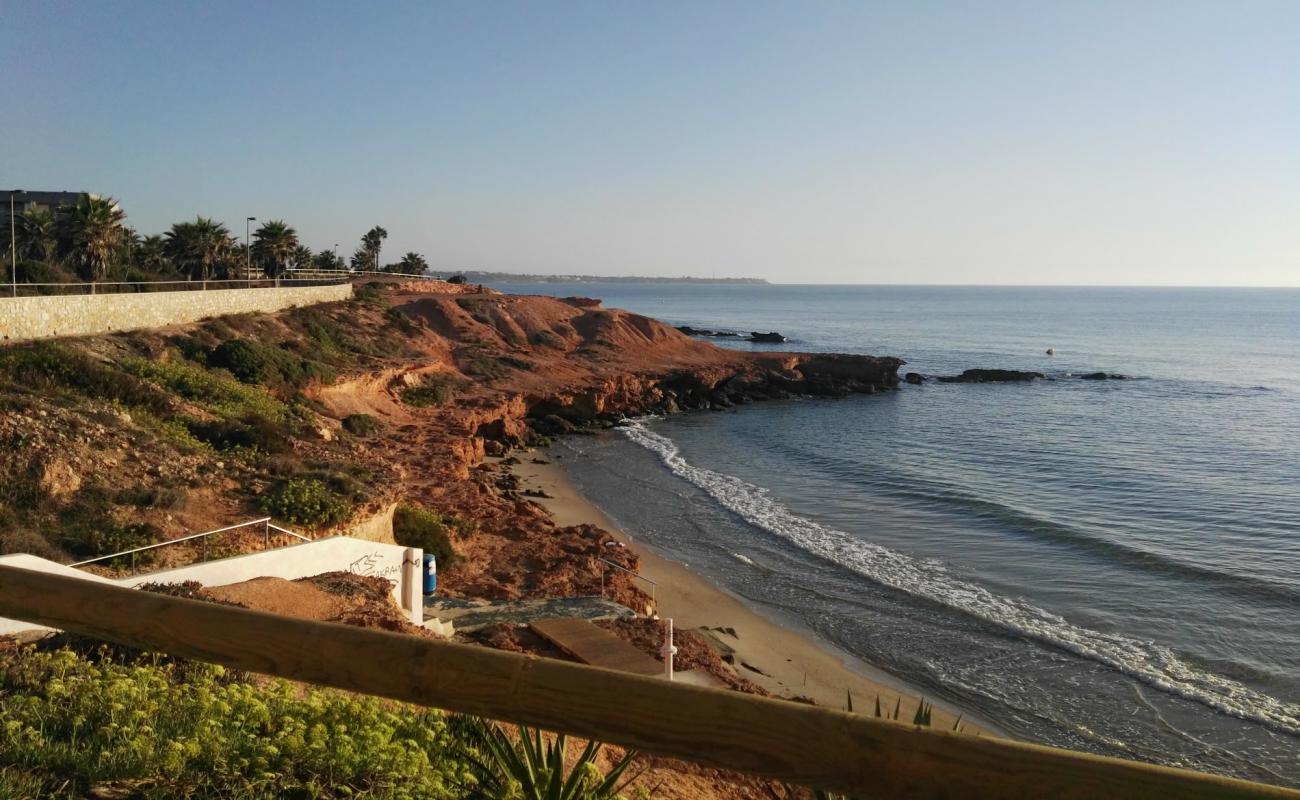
(57,372)
(210,390)
(429,530)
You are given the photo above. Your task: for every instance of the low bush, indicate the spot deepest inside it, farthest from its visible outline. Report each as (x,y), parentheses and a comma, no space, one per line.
(251,434)
(402,321)
(429,530)
(360,424)
(163,730)
(258,363)
(305,501)
(433,390)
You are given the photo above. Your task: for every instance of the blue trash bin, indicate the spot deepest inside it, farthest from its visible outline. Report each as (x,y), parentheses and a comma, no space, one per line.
(430,573)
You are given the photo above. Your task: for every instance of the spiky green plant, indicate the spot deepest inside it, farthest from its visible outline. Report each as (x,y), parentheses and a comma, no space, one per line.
(530,767)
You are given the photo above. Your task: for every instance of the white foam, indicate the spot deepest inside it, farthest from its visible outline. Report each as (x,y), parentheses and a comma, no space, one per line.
(1147,661)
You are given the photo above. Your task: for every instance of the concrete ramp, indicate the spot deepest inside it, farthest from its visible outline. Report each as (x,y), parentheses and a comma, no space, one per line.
(595,646)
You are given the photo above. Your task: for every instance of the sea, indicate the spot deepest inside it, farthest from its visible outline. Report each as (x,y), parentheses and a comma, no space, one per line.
(1105,565)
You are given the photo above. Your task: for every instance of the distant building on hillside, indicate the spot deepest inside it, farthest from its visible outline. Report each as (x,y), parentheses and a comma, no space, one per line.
(25,200)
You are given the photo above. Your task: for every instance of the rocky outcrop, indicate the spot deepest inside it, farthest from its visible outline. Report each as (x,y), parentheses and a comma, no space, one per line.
(1103,376)
(914,378)
(771,337)
(689,331)
(992,376)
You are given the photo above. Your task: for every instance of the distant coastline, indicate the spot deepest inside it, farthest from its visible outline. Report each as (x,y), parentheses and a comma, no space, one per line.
(476,276)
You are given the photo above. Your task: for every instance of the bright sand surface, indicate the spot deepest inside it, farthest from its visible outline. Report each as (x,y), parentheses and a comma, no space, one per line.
(785,662)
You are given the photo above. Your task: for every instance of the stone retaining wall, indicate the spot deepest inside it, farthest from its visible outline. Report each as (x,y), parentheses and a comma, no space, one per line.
(25,318)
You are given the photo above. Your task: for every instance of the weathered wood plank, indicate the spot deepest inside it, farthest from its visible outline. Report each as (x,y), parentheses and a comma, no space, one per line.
(864,756)
(595,646)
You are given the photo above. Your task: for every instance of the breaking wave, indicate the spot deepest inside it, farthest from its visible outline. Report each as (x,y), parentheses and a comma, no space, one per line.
(1151,663)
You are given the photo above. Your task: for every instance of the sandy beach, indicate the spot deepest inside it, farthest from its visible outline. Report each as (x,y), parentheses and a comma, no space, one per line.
(785,662)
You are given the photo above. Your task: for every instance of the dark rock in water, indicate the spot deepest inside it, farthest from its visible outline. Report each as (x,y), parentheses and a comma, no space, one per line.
(915,378)
(1104,376)
(689,331)
(991,376)
(771,336)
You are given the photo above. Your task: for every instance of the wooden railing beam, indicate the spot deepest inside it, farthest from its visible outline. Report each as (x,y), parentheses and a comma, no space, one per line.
(810,745)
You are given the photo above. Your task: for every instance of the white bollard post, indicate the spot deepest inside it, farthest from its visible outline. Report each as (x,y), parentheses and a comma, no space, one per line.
(669,650)
(413,583)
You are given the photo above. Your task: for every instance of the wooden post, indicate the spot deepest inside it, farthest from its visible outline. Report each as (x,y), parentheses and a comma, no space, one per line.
(821,747)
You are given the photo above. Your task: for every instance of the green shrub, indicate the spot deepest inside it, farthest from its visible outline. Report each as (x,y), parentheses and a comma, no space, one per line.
(429,530)
(360,424)
(433,390)
(167,730)
(254,362)
(305,501)
(252,433)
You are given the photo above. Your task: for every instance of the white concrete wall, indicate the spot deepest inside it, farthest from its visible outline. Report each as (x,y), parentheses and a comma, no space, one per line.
(24,318)
(336,554)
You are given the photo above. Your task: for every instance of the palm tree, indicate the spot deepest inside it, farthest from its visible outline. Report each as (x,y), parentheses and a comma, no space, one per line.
(273,245)
(371,243)
(150,254)
(302,257)
(328,259)
(413,264)
(93,229)
(200,248)
(37,234)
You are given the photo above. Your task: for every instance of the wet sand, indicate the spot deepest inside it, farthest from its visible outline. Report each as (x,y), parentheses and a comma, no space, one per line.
(785,662)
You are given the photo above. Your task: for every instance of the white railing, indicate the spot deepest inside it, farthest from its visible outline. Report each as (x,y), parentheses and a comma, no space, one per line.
(265,522)
(251,280)
(604,568)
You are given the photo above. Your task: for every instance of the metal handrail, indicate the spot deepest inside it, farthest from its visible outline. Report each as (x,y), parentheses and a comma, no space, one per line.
(314,276)
(264,521)
(654,587)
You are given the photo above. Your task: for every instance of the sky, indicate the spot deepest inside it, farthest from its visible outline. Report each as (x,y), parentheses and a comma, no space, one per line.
(998,142)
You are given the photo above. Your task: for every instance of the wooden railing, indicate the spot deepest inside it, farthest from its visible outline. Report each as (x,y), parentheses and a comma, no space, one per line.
(820,747)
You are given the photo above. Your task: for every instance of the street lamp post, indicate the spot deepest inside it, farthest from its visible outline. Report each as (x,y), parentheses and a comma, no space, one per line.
(334,263)
(248,251)
(13,243)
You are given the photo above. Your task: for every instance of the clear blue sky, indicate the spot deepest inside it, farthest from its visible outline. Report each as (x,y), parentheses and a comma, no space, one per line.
(902,142)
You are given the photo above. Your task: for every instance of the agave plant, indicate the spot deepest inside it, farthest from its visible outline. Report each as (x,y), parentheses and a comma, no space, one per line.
(530,767)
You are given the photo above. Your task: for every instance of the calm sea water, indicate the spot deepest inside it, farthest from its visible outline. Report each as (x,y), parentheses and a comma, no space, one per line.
(1111,566)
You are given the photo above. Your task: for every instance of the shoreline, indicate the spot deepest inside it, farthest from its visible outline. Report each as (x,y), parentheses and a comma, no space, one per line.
(785,660)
